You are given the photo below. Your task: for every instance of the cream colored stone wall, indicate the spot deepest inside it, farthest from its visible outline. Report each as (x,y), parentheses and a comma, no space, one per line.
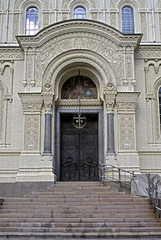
(33,71)
(146,15)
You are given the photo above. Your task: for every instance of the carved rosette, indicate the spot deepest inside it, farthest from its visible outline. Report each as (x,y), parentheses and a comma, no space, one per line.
(126,104)
(110,96)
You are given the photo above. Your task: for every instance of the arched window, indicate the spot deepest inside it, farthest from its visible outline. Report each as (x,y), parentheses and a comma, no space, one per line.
(159,93)
(31,21)
(79,87)
(127,20)
(79,13)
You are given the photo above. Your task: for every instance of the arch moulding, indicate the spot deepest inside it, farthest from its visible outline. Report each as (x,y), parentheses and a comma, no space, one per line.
(90,65)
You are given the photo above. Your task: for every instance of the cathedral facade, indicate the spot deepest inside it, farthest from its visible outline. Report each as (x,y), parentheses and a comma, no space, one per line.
(80,86)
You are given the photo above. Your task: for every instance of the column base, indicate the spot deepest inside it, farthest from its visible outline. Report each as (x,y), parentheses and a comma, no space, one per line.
(35,168)
(111,160)
(129,161)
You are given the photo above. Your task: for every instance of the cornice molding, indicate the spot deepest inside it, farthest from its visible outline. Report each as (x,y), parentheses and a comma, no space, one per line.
(11,53)
(82,102)
(79,26)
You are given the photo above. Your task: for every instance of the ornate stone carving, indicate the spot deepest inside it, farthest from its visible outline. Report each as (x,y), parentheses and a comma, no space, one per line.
(129,66)
(48,107)
(18,4)
(46,19)
(127,102)
(76,102)
(32,103)
(66,3)
(127,132)
(148,52)
(31,133)
(114,3)
(109,95)
(47,88)
(113,19)
(11,54)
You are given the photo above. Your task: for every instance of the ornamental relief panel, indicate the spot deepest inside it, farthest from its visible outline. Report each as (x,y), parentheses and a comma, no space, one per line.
(129,66)
(127,132)
(31,133)
(102,46)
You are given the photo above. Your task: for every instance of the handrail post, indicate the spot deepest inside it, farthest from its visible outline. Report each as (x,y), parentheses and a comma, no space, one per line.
(156,200)
(119,179)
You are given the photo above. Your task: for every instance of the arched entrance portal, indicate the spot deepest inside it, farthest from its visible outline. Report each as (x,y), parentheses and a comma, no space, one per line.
(78,117)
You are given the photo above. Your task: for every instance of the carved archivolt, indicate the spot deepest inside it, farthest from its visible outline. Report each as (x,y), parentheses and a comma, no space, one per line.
(18,3)
(115,2)
(99,68)
(66,3)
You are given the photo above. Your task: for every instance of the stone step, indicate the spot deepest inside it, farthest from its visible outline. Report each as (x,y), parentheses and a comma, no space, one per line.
(80,229)
(88,235)
(73,210)
(76,225)
(77,220)
(70,215)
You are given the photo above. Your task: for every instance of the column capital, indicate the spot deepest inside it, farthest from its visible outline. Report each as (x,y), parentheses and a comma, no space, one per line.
(48,106)
(110,96)
(31,102)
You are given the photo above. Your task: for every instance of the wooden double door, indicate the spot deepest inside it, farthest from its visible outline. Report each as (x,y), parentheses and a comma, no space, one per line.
(79,149)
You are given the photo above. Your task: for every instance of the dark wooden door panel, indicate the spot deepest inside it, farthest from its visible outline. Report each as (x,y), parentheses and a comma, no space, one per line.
(79,150)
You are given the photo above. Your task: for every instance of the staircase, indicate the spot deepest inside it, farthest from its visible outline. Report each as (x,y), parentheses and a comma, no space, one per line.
(78,209)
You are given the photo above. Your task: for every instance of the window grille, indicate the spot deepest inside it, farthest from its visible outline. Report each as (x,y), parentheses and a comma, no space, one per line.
(127,20)
(31,21)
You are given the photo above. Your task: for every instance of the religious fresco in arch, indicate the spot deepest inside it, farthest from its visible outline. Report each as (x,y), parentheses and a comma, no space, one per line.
(79,87)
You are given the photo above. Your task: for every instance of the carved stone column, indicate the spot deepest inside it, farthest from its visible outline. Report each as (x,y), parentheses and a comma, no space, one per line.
(109,95)
(48,128)
(127,153)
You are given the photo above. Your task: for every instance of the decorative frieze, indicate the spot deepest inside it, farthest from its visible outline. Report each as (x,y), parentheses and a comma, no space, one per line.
(82,102)
(11,54)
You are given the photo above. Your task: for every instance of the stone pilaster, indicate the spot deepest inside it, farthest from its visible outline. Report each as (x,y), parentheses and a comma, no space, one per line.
(109,96)
(127,153)
(30,159)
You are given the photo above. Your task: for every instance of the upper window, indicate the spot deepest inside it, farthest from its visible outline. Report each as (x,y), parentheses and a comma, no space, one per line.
(79,13)
(31,21)
(127,20)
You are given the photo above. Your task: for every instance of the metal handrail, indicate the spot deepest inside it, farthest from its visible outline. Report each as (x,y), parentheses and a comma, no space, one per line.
(110,172)
(154,194)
